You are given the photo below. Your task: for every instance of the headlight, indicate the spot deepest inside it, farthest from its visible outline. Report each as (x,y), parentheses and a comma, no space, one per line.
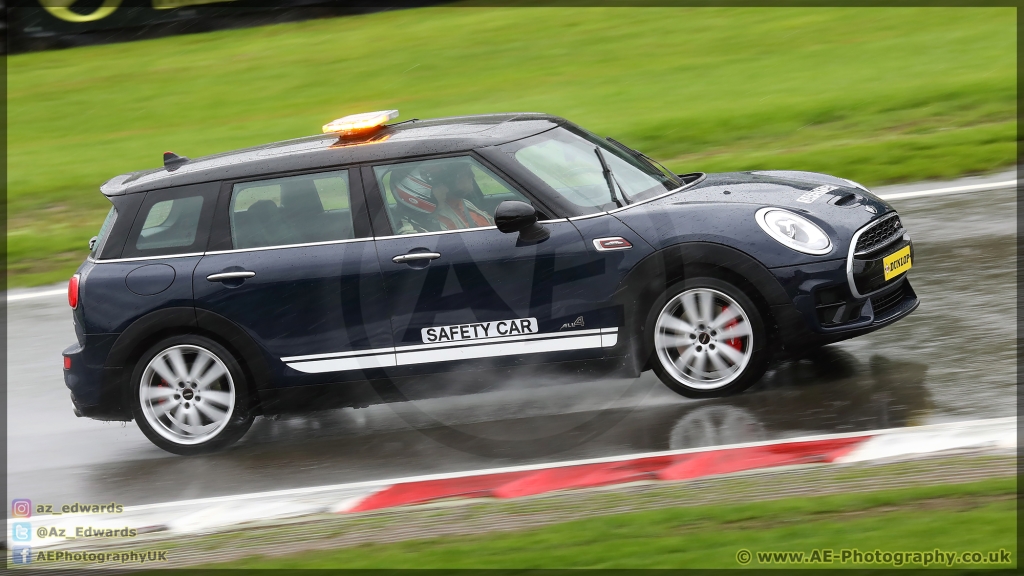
(793,230)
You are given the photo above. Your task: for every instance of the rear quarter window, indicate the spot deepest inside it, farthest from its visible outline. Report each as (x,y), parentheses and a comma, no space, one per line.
(172,222)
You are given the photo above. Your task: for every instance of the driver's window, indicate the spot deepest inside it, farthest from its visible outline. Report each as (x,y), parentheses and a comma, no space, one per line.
(442,194)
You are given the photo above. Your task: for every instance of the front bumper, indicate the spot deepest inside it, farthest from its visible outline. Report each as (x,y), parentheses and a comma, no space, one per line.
(824,309)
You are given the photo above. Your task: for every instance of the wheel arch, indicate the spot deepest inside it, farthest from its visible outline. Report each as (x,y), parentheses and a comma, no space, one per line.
(649,279)
(142,334)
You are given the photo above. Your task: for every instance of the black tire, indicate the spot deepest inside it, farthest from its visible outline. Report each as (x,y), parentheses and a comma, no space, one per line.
(237,421)
(684,382)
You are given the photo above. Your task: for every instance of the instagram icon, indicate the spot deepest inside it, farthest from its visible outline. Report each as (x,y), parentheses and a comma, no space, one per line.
(21,508)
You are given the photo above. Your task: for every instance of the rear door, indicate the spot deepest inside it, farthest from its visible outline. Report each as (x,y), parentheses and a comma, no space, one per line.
(293,264)
(460,291)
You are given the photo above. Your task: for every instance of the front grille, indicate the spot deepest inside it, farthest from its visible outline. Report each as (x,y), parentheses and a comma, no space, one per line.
(880,234)
(881,304)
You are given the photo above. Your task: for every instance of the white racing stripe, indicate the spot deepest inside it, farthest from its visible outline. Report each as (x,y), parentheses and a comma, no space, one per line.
(345,364)
(337,354)
(496,350)
(448,351)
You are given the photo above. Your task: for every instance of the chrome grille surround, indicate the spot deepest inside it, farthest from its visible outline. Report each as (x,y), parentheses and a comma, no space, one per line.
(878,234)
(855,242)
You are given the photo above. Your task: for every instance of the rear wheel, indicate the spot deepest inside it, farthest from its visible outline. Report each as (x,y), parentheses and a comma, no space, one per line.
(189,396)
(707,338)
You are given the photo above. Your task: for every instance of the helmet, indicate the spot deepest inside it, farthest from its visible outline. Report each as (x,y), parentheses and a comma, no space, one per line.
(414,193)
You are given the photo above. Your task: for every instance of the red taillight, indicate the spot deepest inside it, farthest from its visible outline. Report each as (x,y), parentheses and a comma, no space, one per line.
(73,292)
(67,362)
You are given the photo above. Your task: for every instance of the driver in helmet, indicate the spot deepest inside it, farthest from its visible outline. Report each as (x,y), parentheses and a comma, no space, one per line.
(454,186)
(437,197)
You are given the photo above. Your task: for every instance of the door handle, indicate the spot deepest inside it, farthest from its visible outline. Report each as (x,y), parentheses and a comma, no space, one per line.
(413,256)
(230,276)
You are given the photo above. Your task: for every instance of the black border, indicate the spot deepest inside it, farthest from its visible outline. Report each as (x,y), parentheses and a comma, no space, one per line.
(563,3)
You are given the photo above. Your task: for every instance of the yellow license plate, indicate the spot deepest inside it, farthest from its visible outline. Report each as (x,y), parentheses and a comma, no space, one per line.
(897,263)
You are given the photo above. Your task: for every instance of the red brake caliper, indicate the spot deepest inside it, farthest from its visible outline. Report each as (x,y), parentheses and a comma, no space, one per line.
(734,342)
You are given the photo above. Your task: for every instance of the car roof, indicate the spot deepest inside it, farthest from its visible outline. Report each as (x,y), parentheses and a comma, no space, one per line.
(395,141)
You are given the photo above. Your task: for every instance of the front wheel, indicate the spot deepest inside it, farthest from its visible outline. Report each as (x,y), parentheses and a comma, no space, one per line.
(708,339)
(189,396)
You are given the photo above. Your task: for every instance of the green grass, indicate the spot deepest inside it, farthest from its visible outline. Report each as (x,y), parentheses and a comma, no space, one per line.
(979,516)
(873,94)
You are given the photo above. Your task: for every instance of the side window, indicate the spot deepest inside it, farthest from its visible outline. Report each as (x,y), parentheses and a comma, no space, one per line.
(172,221)
(170,225)
(293,210)
(441,194)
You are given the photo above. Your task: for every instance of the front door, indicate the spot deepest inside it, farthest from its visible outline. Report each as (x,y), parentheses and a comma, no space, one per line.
(300,277)
(460,291)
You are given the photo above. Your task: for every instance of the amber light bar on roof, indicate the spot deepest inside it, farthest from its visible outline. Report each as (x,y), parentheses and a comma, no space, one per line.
(358,123)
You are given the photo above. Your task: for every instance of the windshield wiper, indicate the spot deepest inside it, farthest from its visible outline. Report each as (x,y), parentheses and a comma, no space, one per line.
(609,177)
(650,161)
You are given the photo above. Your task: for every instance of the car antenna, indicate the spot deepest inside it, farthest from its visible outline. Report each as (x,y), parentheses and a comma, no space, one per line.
(610,178)
(172,161)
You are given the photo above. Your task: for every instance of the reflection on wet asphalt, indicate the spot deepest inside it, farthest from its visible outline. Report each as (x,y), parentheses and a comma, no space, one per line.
(954,358)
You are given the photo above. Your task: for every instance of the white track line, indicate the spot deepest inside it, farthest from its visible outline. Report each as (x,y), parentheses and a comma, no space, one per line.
(531,467)
(951,190)
(16,297)
(225,512)
(898,196)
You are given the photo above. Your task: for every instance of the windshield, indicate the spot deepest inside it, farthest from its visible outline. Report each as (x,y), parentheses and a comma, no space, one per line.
(568,162)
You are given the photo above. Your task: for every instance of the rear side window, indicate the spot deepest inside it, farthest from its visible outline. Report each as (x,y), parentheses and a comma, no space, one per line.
(173,221)
(171,224)
(294,210)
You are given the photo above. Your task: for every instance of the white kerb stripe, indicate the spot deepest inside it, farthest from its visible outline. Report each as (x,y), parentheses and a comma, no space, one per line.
(1009,422)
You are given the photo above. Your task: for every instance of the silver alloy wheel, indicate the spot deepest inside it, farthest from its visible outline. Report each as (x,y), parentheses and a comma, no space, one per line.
(703,339)
(187,394)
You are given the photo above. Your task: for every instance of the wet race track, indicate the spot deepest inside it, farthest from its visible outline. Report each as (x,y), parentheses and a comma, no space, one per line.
(952,359)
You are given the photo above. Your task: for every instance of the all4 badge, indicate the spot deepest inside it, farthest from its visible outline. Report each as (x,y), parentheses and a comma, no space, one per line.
(578,323)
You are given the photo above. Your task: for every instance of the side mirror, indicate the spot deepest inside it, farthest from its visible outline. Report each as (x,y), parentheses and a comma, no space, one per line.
(92,243)
(514,216)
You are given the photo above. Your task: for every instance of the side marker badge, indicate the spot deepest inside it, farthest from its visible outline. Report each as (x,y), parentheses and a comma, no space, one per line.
(612,243)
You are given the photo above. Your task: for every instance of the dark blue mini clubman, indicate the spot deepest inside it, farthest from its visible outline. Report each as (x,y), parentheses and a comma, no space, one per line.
(317,272)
